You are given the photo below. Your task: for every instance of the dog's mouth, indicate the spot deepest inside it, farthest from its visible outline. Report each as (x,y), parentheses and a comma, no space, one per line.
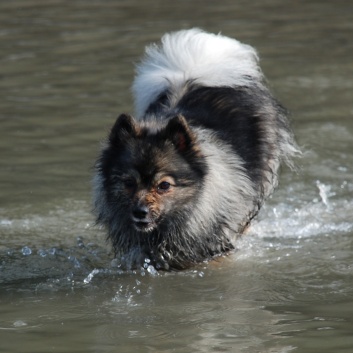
(145,225)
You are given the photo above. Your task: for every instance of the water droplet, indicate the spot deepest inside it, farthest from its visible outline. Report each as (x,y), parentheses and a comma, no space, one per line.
(74,260)
(324,192)
(146,263)
(152,271)
(89,278)
(80,242)
(26,251)
(42,253)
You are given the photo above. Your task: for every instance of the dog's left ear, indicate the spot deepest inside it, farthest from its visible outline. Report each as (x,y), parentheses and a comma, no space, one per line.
(179,132)
(124,128)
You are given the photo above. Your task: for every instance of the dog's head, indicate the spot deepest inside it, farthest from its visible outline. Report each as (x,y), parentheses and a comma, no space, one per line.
(150,173)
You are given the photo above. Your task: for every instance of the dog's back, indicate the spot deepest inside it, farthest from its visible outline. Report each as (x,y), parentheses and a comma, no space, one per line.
(215,82)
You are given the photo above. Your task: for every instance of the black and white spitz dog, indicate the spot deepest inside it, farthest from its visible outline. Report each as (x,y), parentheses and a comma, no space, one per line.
(176,184)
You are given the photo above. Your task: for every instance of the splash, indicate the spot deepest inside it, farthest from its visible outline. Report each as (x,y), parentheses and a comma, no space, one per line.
(328,212)
(89,278)
(325,193)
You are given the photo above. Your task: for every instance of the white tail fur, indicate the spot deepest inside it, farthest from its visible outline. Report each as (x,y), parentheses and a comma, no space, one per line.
(208,59)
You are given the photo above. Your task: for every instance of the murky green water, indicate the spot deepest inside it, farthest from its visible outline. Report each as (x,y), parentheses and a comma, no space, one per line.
(65,74)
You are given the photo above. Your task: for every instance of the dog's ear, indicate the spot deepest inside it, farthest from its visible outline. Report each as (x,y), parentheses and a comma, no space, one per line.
(125,127)
(179,132)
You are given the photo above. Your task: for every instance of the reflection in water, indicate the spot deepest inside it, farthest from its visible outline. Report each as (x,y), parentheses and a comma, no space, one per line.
(65,74)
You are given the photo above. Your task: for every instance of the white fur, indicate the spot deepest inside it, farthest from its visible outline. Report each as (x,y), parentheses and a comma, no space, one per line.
(225,182)
(208,59)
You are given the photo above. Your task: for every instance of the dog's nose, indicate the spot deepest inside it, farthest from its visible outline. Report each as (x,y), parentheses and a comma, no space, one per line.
(140,212)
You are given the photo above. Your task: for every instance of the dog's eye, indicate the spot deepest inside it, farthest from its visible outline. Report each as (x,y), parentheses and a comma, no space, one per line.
(164,186)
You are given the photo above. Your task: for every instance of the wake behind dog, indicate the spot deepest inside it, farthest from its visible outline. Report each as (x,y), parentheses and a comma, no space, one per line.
(178,183)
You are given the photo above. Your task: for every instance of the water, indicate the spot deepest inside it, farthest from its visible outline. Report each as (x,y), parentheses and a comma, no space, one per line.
(65,74)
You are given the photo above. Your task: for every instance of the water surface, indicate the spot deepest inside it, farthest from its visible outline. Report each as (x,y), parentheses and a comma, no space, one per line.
(65,74)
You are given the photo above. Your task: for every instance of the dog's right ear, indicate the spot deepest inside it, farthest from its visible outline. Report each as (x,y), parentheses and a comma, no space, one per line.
(125,127)
(179,132)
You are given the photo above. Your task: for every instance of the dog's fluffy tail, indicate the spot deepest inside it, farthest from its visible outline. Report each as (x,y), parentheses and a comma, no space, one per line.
(193,55)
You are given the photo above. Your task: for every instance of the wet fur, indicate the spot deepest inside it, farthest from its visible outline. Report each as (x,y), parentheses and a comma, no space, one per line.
(216,144)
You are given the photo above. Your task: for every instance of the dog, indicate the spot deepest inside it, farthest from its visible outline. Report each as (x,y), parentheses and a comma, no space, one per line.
(178,183)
